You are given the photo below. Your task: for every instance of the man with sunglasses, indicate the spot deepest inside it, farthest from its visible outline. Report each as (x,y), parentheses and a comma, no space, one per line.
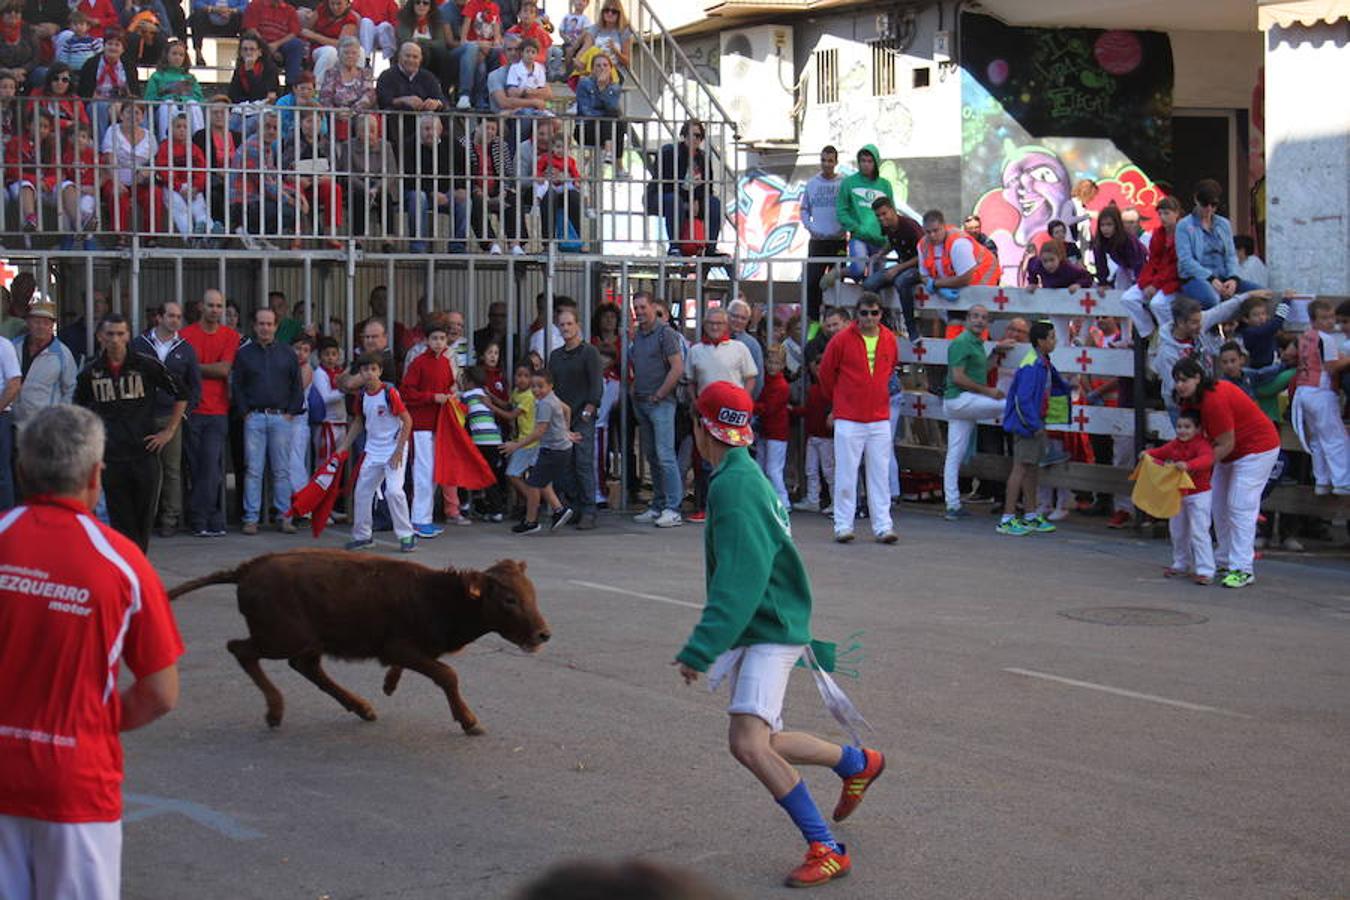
(855,374)
(1206,259)
(681,190)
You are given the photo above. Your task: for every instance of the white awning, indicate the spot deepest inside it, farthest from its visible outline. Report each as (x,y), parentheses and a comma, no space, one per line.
(1284,13)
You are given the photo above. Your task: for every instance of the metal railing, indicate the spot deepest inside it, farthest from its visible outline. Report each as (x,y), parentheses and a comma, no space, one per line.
(211,176)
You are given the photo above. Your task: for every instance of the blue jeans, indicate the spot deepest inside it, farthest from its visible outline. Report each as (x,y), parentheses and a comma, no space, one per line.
(293,54)
(206,438)
(656,422)
(675,211)
(1202,291)
(267,443)
(858,252)
(904,285)
(7,497)
(419,206)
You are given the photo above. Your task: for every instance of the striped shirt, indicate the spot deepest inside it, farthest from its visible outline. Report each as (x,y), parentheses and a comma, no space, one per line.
(481,422)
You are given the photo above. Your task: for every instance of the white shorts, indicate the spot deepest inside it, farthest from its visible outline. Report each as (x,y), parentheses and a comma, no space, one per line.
(759,681)
(40,860)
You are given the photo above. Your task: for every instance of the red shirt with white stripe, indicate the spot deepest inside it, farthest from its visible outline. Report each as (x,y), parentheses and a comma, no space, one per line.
(76,600)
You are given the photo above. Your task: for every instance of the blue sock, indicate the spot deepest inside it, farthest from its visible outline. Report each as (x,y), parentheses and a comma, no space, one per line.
(806,816)
(851,763)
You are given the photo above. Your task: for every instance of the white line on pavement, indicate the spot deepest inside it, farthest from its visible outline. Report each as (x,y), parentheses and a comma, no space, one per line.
(1121,692)
(614,590)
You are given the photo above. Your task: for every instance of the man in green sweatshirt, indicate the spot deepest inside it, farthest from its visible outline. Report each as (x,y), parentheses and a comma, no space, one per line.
(854,206)
(756,625)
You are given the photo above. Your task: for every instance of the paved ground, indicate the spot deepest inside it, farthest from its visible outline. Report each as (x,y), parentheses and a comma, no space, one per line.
(1205,760)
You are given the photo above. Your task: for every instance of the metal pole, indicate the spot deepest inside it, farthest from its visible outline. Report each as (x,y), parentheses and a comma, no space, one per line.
(178,280)
(350,324)
(550,274)
(511,309)
(391,298)
(221,275)
(307,286)
(265,274)
(135,285)
(89,303)
(623,388)
(470,319)
(429,287)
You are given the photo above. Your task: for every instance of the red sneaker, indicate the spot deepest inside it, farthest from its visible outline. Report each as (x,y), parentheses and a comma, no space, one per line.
(1119,519)
(852,790)
(821,865)
(698,517)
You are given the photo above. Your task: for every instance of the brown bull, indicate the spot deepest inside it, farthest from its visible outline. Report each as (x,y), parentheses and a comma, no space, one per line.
(303,605)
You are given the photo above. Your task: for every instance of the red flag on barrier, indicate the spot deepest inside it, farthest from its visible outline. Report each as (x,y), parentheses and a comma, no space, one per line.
(317,497)
(458,462)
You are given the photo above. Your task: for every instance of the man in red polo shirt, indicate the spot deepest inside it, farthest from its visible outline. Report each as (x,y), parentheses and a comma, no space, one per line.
(278,24)
(76,600)
(209,424)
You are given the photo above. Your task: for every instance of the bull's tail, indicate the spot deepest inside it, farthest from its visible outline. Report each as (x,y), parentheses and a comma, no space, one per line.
(224,576)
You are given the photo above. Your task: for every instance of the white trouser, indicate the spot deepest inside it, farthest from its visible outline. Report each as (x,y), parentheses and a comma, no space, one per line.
(870,444)
(893,468)
(1144,313)
(1122,454)
(1191,547)
(819,460)
(772,459)
(300,441)
(186,213)
(1049,499)
(324,59)
(609,395)
(1237,488)
(366,483)
(424,468)
(963,411)
(1317,420)
(56,860)
(372,35)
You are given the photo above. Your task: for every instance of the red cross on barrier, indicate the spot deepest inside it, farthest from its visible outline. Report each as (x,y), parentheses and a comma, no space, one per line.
(1087,302)
(919,407)
(1001,299)
(1084,360)
(920,296)
(7,272)
(1082,419)
(919,349)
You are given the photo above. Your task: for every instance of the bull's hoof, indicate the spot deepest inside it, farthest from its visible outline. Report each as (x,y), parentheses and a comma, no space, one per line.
(475,729)
(391,680)
(273,719)
(366,712)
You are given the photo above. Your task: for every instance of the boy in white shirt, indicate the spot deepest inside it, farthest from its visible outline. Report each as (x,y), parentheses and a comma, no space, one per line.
(387,425)
(527,78)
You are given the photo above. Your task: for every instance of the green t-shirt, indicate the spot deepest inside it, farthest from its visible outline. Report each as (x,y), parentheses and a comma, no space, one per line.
(871,344)
(966,352)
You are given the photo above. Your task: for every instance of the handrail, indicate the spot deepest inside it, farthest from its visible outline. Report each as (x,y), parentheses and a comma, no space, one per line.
(689,70)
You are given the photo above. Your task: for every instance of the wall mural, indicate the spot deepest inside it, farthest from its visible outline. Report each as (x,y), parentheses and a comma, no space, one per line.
(1043,108)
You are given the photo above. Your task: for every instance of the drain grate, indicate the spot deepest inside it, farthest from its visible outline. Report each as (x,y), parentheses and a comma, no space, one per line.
(1133,615)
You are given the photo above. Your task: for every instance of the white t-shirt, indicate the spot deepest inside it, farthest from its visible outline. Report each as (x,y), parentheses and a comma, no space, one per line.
(554,342)
(126,156)
(519,76)
(382,423)
(334,400)
(9,365)
(728,361)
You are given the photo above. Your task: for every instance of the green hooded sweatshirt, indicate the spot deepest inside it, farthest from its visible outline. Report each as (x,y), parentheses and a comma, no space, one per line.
(855,201)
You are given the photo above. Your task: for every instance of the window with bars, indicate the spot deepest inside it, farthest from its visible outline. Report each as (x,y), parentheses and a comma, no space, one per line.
(827,76)
(883,67)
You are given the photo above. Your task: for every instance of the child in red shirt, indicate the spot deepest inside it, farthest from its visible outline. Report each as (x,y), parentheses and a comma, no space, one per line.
(182,168)
(1192,553)
(819,441)
(427,385)
(772,410)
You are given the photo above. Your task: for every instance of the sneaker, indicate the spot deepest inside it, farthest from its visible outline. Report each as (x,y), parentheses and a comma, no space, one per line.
(495,249)
(427,531)
(843,537)
(669,519)
(852,790)
(286,526)
(201,533)
(827,510)
(1238,579)
(493,517)
(1119,519)
(647,517)
(821,865)
(1013,527)
(806,506)
(460,519)
(561,517)
(1221,573)
(250,528)
(1037,525)
(955,513)
(215,532)
(248,240)
(361,544)
(586,522)
(517,250)
(1202,580)
(526,528)
(463,102)
(1293,545)
(407,544)
(1170,572)
(889,537)
(1057,515)
(698,517)
(830,278)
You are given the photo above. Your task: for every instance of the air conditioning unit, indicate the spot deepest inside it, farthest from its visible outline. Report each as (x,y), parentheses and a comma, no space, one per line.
(758,76)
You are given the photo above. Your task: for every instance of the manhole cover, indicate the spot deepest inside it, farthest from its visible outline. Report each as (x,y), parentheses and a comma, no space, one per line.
(1133,615)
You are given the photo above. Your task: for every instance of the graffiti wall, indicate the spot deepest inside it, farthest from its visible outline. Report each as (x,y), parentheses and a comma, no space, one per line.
(1044,108)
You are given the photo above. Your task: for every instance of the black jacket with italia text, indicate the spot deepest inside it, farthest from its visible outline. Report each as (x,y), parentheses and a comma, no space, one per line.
(125,400)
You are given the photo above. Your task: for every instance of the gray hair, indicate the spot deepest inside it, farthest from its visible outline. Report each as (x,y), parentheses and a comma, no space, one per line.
(58,449)
(738,306)
(349,40)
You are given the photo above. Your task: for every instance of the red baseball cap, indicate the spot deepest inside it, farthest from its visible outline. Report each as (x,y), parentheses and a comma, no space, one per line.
(725,410)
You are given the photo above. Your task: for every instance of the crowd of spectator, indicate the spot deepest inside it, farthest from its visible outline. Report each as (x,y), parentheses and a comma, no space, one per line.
(301,141)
